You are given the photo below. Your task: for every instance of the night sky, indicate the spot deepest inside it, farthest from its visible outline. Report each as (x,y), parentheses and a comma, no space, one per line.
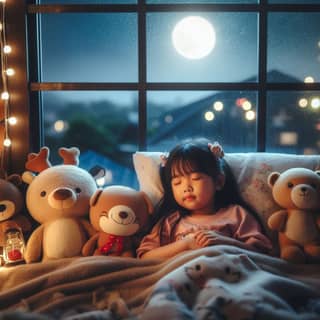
(102,47)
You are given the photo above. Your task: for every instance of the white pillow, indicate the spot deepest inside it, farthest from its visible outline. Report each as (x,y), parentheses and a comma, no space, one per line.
(251,171)
(146,165)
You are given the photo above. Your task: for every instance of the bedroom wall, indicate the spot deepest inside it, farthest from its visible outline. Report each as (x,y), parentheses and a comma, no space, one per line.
(15,156)
(1,126)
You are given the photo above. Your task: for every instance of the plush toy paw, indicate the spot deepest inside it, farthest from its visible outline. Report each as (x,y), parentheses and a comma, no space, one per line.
(293,254)
(313,251)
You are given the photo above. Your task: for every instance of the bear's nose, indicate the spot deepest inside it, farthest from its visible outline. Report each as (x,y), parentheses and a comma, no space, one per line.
(62,194)
(303,189)
(123,214)
(3,207)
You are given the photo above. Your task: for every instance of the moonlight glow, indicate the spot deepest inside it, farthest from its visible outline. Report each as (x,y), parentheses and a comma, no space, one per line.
(193,37)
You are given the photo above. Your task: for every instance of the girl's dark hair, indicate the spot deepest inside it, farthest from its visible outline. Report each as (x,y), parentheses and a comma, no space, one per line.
(195,155)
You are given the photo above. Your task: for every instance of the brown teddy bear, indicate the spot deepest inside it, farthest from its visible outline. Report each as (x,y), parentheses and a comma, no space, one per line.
(12,206)
(119,214)
(297,191)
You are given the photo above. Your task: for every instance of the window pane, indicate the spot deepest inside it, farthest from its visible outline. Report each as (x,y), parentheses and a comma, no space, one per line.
(293,122)
(294,46)
(103,125)
(234,57)
(176,115)
(88,1)
(200,1)
(90,47)
(295,1)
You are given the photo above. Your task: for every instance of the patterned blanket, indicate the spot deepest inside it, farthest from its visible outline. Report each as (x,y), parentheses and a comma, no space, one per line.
(218,282)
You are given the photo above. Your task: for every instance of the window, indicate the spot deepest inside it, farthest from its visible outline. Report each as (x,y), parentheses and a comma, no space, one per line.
(113,77)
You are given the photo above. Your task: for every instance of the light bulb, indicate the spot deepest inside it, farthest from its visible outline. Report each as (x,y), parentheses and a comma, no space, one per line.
(7,49)
(12,121)
(5,95)
(7,142)
(14,246)
(3,1)
(10,72)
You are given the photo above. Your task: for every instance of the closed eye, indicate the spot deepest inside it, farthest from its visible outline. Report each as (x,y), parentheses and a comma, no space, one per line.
(176,181)
(196,176)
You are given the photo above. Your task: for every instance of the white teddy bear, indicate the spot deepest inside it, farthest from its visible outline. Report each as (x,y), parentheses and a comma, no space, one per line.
(58,198)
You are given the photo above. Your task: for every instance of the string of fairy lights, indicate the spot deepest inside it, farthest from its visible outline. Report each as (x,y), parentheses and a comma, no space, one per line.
(6,72)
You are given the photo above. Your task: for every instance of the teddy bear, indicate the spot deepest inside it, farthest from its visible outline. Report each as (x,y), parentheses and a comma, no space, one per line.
(297,192)
(57,197)
(119,214)
(12,215)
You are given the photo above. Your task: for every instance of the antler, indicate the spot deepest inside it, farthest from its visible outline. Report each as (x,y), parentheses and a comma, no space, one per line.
(38,162)
(70,155)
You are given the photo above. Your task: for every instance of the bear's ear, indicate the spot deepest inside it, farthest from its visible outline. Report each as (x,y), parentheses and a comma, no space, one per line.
(97,172)
(15,179)
(28,177)
(94,198)
(272,178)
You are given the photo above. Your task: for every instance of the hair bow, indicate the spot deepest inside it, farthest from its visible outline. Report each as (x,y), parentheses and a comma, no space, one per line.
(216,149)
(163,160)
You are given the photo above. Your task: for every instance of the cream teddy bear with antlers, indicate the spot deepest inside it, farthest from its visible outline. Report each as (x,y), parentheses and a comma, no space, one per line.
(58,198)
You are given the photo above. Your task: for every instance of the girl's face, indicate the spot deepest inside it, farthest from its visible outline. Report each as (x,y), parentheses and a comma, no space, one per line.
(195,190)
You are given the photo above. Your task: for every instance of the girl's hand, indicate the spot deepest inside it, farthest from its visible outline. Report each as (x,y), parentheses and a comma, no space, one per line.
(191,242)
(204,238)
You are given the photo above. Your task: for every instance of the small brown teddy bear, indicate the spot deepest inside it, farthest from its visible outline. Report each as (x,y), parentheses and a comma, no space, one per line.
(297,191)
(11,209)
(118,213)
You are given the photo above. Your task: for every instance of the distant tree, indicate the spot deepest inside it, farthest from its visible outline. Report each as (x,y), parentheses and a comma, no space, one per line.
(84,133)
(100,126)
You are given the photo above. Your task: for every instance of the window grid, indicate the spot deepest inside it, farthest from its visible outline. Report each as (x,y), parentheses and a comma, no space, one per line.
(142,86)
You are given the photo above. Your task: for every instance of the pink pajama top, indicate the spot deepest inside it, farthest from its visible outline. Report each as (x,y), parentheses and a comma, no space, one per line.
(233,221)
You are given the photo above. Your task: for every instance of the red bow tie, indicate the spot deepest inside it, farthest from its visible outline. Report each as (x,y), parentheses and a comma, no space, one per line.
(113,240)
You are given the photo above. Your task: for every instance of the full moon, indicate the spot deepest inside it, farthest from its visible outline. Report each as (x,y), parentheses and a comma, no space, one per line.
(193,37)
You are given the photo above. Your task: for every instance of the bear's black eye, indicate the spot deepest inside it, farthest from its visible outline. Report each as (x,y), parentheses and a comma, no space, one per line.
(198,267)
(188,287)
(78,190)
(43,194)
(290,185)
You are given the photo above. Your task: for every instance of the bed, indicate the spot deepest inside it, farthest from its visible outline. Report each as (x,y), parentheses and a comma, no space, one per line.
(218,282)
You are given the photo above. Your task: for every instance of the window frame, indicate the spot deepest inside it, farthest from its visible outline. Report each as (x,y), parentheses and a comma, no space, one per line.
(31,65)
